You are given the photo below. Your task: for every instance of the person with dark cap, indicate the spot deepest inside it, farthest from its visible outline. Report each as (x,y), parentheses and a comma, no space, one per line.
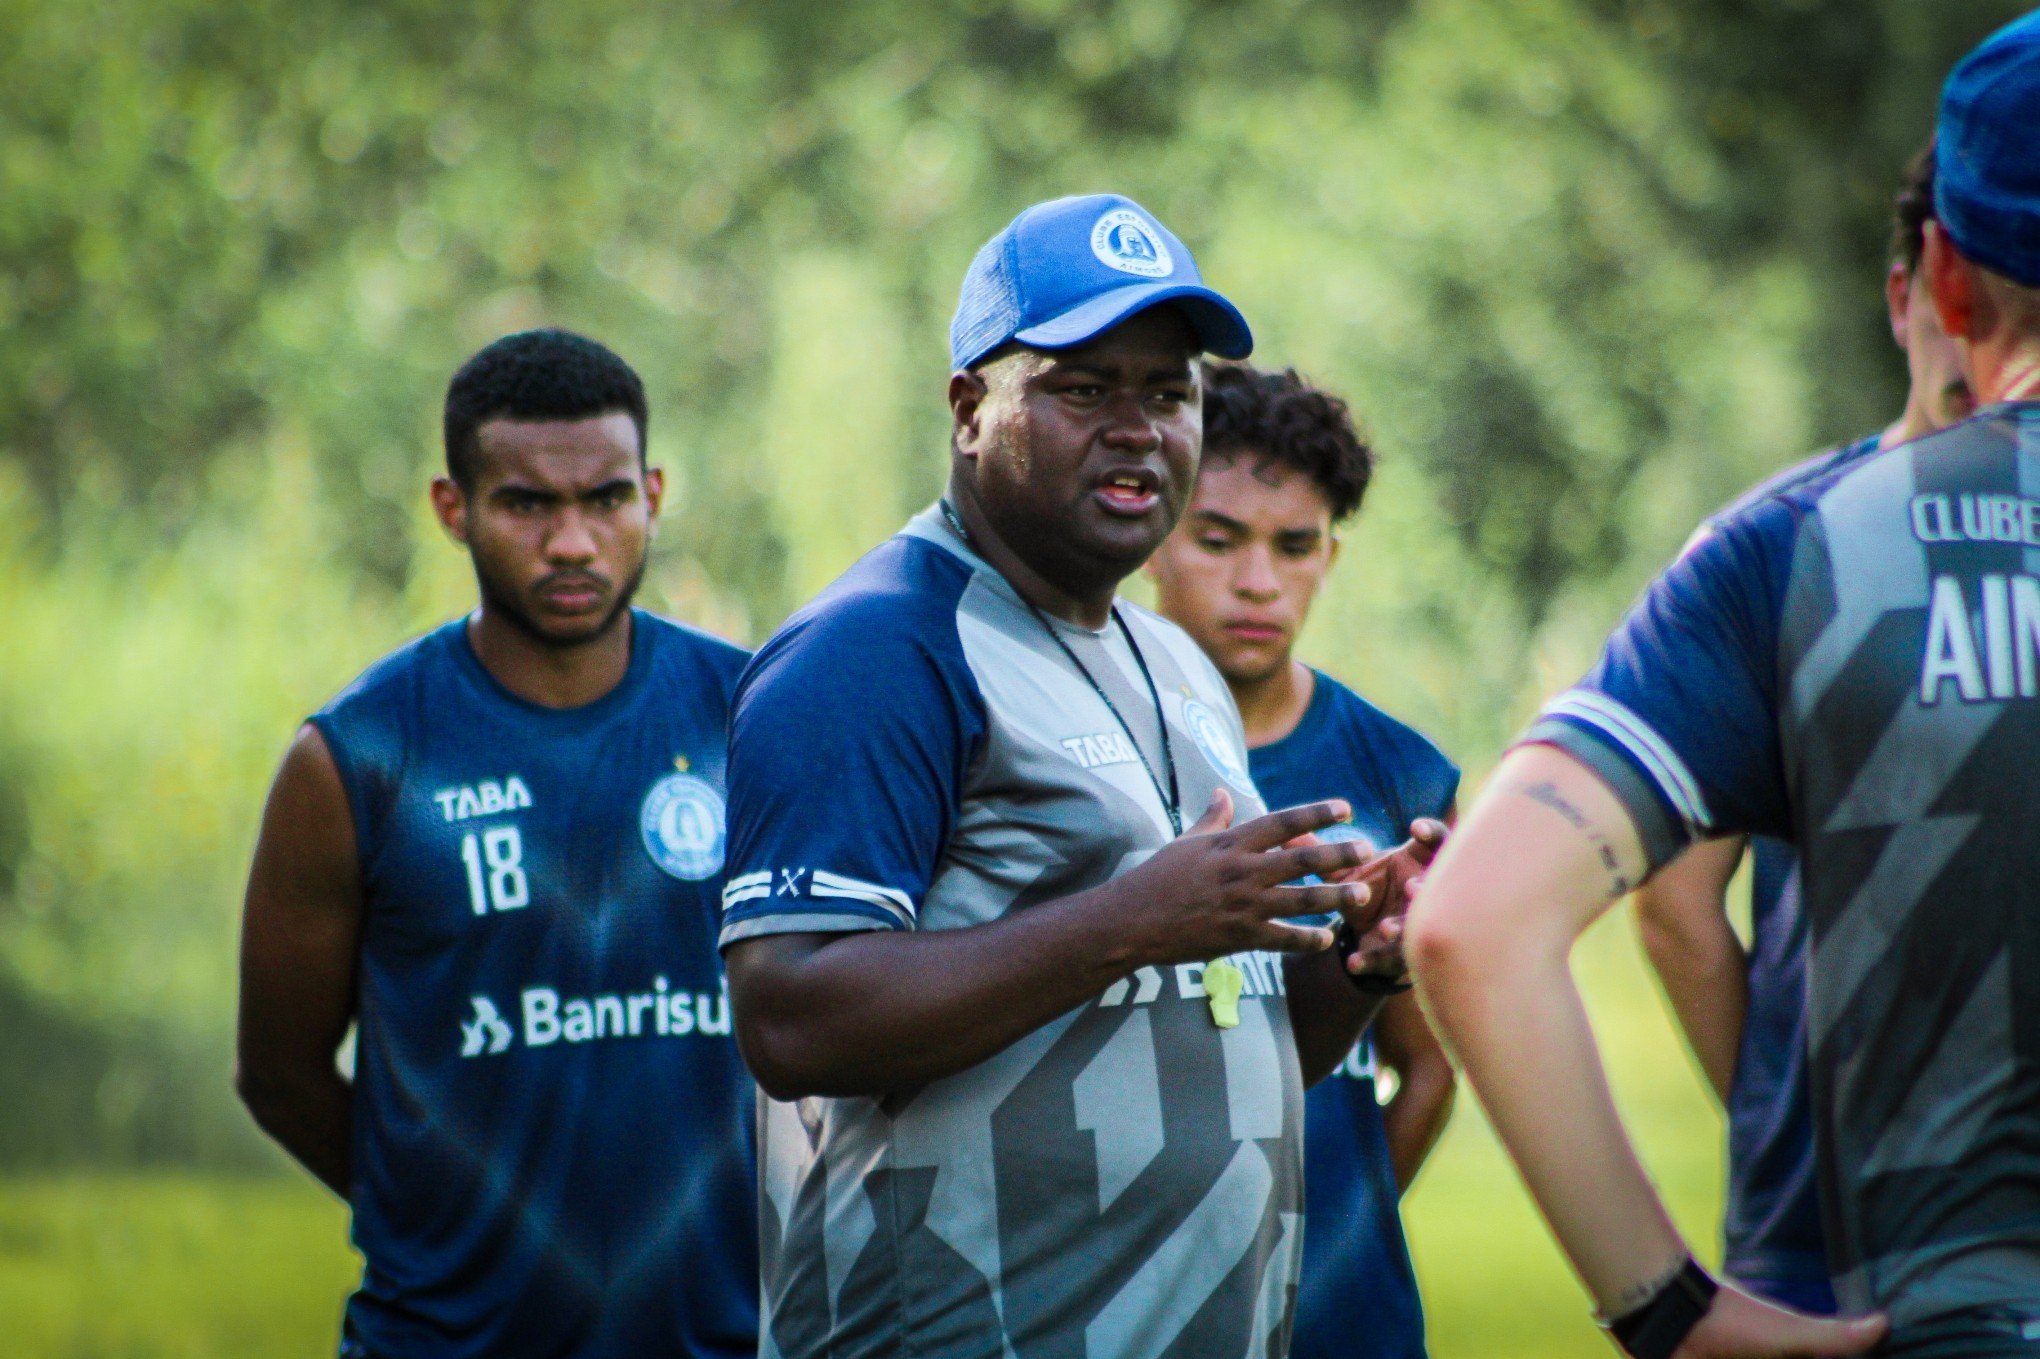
(1853,665)
(1031,1026)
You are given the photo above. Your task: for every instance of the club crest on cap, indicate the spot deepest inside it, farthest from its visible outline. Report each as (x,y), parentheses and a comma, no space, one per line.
(1122,239)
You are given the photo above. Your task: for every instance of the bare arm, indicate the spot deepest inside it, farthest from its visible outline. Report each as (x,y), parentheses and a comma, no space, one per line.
(1415,1116)
(1544,853)
(300,938)
(1326,1013)
(830,1015)
(1425,1085)
(1683,918)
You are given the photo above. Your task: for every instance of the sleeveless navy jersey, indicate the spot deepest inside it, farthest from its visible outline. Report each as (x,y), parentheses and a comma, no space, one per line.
(1358,1296)
(1854,665)
(552,1149)
(1771,1223)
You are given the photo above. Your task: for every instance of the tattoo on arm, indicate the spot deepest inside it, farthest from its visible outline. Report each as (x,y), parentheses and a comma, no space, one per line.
(1547,794)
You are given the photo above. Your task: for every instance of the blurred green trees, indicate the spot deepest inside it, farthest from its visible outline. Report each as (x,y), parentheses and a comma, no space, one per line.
(1586,266)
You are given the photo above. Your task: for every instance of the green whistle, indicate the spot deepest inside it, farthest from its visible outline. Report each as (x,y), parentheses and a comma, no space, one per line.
(1222,983)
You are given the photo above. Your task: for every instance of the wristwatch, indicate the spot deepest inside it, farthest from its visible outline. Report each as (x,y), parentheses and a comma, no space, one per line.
(1657,1327)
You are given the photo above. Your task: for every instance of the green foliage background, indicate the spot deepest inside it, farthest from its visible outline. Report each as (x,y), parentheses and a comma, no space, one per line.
(1587,267)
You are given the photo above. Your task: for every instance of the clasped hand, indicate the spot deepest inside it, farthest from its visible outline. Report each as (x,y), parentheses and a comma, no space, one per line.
(1223,889)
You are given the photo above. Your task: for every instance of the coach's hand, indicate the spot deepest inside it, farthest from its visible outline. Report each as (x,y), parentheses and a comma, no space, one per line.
(1739,1326)
(1220,888)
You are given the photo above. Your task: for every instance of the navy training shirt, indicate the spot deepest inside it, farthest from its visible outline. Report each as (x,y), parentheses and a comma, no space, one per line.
(1773,1241)
(1855,665)
(1358,1297)
(552,1149)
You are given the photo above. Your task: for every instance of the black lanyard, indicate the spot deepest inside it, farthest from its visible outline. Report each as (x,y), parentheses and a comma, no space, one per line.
(1171,798)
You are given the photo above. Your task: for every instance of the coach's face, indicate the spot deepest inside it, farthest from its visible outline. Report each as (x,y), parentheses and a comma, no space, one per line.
(1083,459)
(558,521)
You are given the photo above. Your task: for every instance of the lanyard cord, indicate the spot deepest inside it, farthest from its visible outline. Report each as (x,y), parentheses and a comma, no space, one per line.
(1171,797)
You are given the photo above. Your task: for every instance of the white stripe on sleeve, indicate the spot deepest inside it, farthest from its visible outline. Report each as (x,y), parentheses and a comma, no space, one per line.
(823,883)
(1626,729)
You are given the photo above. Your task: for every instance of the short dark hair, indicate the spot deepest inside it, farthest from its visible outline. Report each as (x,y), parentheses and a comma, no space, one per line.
(1912,207)
(1282,419)
(537,375)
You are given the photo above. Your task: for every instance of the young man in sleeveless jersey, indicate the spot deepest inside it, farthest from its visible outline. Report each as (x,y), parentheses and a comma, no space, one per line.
(1744,1011)
(992,935)
(498,854)
(1854,665)
(1283,468)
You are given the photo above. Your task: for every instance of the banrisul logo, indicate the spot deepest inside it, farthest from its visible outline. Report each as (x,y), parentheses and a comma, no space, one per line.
(546,1017)
(682,825)
(486,1032)
(1124,240)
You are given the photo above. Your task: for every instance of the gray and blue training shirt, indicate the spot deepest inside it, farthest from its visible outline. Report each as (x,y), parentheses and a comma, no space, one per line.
(913,751)
(1854,665)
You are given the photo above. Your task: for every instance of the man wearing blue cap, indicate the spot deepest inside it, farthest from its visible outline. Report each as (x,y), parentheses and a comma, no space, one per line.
(1033,1048)
(1853,665)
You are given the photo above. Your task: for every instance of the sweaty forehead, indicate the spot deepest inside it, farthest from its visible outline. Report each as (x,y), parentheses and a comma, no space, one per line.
(560,453)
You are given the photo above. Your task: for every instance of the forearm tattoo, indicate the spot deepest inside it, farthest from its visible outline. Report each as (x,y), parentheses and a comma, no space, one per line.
(1547,794)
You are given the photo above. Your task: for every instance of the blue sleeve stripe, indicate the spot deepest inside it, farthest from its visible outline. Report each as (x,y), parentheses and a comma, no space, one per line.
(845,921)
(807,909)
(1622,726)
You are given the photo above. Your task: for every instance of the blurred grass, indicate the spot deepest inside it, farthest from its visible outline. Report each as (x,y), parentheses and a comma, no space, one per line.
(186,1266)
(170,1266)
(1493,1282)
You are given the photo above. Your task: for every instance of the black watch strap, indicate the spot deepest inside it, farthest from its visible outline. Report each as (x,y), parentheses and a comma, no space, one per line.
(1658,1327)
(1344,944)
(1380,983)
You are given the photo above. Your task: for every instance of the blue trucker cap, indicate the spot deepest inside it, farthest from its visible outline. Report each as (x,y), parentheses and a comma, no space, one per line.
(1064,272)
(1987,156)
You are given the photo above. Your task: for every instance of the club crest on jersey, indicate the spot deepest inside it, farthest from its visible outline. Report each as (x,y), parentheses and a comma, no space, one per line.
(1216,744)
(682,825)
(1124,240)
